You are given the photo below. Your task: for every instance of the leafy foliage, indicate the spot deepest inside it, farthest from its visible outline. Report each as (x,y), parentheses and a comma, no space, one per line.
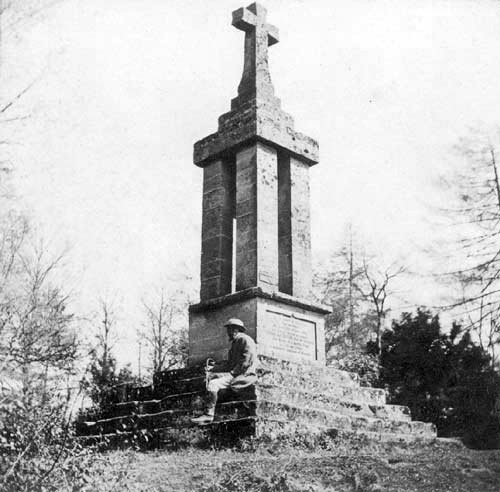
(444,378)
(38,452)
(366,366)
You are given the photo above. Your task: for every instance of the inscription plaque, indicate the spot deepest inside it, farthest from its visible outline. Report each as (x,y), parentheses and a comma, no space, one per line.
(288,336)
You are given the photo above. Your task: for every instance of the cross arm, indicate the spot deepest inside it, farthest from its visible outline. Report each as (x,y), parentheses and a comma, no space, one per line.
(245,20)
(273,34)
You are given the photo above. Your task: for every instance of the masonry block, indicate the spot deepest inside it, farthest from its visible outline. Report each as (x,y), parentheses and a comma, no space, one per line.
(217,229)
(282,326)
(256,217)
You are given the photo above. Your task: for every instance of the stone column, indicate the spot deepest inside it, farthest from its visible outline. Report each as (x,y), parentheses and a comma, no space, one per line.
(300,216)
(217,229)
(257,217)
(294,227)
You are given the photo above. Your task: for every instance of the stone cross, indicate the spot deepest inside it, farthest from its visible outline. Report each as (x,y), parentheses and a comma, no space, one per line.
(256,80)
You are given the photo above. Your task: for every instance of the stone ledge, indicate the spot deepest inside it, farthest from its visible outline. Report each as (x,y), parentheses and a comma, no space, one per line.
(259,119)
(253,292)
(326,402)
(268,363)
(368,395)
(249,427)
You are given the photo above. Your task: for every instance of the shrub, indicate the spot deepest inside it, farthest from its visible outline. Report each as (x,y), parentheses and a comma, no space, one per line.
(39,453)
(445,378)
(366,366)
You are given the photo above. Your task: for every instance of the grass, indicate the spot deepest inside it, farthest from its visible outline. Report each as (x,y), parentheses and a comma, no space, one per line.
(340,466)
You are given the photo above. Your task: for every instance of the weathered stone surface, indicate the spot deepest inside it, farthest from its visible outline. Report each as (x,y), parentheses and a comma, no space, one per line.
(294,230)
(288,398)
(330,388)
(256,171)
(256,80)
(280,327)
(217,229)
(208,338)
(281,297)
(290,332)
(332,402)
(254,121)
(256,218)
(256,114)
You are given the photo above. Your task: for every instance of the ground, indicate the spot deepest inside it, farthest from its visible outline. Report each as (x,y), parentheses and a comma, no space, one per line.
(432,468)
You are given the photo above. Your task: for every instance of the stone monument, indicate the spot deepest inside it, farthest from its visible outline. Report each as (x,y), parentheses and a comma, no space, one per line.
(255,265)
(256,240)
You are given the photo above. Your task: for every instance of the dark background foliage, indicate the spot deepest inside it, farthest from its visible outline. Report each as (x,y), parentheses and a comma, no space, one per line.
(445,378)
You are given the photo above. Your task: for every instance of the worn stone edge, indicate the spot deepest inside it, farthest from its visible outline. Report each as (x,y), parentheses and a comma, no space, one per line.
(253,292)
(214,146)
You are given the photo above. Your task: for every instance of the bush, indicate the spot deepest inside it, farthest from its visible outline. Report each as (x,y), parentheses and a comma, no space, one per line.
(39,453)
(366,366)
(444,378)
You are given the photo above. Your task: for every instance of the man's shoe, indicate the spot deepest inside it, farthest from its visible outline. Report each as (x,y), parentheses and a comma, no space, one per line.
(203,419)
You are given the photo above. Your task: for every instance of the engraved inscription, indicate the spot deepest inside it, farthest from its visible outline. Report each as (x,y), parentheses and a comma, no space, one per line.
(288,337)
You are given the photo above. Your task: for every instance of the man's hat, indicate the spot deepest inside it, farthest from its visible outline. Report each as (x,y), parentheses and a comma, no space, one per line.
(235,322)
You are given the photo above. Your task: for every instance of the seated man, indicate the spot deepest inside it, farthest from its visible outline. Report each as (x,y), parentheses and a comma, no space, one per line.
(241,364)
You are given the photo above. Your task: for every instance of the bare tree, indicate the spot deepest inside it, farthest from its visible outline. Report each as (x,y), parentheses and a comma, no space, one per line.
(336,284)
(15,15)
(375,289)
(102,368)
(475,212)
(106,336)
(164,330)
(357,286)
(38,339)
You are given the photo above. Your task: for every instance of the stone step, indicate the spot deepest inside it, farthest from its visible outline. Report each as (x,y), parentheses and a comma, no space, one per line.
(308,371)
(325,419)
(177,386)
(291,374)
(363,402)
(272,428)
(192,399)
(196,400)
(301,416)
(230,430)
(133,422)
(178,417)
(305,417)
(354,392)
(191,379)
(298,397)
(344,388)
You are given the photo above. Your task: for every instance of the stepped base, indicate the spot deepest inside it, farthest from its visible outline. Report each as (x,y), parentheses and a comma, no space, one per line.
(288,399)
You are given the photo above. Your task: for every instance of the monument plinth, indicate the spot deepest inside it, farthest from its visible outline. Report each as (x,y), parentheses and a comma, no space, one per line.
(256,241)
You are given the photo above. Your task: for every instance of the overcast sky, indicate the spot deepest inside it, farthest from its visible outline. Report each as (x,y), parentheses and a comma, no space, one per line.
(126,87)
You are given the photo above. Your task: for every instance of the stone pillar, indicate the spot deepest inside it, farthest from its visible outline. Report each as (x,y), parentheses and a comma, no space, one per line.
(217,229)
(294,234)
(257,217)
(300,216)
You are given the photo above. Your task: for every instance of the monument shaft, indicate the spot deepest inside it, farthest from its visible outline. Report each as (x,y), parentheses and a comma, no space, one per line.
(256,218)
